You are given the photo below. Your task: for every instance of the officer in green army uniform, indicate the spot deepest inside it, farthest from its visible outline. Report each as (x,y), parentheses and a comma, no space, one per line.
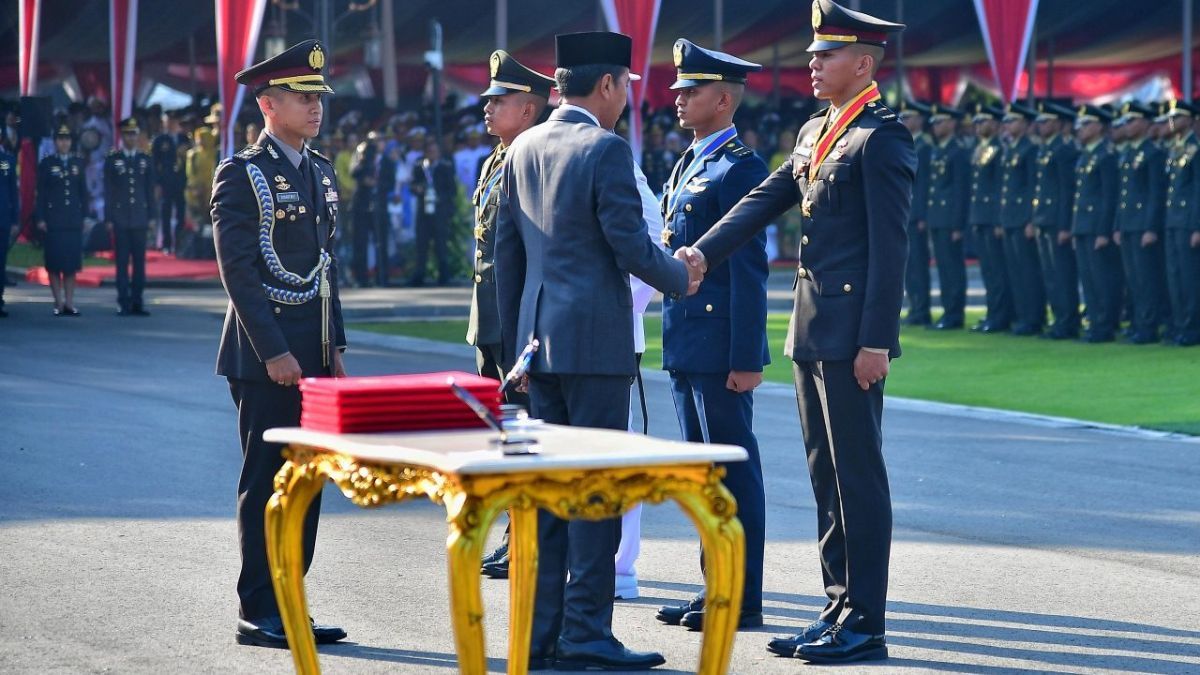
(1092,224)
(1054,192)
(516,97)
(946,213)
(1183,225)
(1139,223)
(913,115)
(1016,218)
(983,216)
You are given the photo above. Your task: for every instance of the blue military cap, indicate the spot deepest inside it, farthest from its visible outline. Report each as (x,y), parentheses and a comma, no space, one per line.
(1092,113)
(1048,110)
(912,108)
(939,112)
(510,75)
(695,65)
(986,112)
(298,68)
(1016,111)
(835,27)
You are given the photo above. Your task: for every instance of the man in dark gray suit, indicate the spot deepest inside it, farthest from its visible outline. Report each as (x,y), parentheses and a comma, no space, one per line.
(569,227)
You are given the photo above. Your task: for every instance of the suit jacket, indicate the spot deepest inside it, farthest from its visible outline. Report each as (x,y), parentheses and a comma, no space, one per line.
(483,326)
(850,282)
(985,183)
(128,190)
(1055,184)
(257,328)
(949,186)
(1143,181)
(1183,185)
(445,186)
(1095,191)
(723,327)
(569,228)
(62,194)
(1017,183)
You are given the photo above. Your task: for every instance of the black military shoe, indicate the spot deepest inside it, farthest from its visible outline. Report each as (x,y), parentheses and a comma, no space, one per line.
(268,632)
(787,645)
(501,551)
(673,614)
(946,325)
(840,645)
(140,311)
(496,569)
(695,620)
(603,655)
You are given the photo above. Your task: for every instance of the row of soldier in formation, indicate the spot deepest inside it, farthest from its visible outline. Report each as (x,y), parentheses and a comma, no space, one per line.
(1056,200)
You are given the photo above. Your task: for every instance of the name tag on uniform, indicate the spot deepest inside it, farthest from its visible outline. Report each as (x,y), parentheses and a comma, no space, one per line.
(331,196)
(286,197)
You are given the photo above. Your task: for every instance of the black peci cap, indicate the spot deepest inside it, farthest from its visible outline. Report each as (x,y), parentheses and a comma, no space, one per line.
(835,26)
(595,47)
(509,76)
(696,66)
(298,69)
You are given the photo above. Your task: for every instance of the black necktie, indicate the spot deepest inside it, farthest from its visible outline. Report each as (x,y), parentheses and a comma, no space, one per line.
(306,174)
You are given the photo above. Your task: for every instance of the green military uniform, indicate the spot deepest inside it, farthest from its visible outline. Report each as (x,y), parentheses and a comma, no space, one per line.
(1054,192)
(916,272)
(1183,229)
(984,217)
(1092,227)
(946,216)
(1017,183)
(1139,219)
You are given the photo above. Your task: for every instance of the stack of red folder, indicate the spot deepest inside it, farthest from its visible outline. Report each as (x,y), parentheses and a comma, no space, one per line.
(393,402)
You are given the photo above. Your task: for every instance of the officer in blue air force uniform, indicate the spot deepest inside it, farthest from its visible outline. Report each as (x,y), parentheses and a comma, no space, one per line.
(715,342)
(274,208)
(852,175)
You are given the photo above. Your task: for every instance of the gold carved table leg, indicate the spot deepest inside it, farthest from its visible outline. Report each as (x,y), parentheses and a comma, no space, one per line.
(470,518)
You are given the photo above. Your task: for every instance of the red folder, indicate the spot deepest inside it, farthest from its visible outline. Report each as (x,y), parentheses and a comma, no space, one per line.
(421,401)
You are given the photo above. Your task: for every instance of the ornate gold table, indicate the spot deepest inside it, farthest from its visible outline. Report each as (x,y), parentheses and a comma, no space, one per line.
(579,473)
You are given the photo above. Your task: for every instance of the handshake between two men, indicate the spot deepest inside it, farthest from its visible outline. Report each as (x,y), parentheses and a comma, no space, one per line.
(697,266)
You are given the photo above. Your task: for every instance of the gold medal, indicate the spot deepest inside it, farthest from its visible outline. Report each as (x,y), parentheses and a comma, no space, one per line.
(665,236)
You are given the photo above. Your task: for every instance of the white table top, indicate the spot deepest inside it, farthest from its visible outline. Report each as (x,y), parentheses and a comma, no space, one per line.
(471,452)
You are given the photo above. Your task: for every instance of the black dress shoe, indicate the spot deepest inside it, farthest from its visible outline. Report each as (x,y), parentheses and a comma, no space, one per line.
(1024,330)
(124,312)
(603,655)
(268,632)
(993,328)
(138,311)
(947,325)
(70,311)
(673,614)
(787,645)
(496,569)
(500,552)
(695,620)
(839,645)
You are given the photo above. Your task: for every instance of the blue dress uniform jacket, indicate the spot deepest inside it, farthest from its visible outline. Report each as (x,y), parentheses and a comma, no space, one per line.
(1182,222)
(1018,169)
(849,286)
(62,202)
(256,328)
(1093,215)
(723,326)
(946,214)
(128,189)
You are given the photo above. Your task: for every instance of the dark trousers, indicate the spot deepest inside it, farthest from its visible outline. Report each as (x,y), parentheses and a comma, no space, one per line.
(711,413)
(1183,277)
(990,250)
(432,229)
(916,275)
(578,609)
(1025,279)
(131,252)
(4,237)
(1099,271)
(261,406)
(1061,276)
(844,442)
(1146,279)
(172,213)
(952,276)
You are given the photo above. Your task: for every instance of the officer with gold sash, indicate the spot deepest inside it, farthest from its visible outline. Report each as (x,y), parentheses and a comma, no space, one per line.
(516,97)
(852,175)
(275,210)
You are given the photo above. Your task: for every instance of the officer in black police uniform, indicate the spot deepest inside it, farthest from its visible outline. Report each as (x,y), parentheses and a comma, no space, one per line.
(715,342)
(1053,197)
(946,213)
(516,97)
(914,115)
(128,213)
(62,205)
(1141,168)
(9,212)
(1092,216)
(983,216)
(852,175)
(284,320)
(1017,186)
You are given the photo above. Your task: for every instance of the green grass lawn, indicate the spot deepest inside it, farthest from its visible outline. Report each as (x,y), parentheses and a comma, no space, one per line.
(1149,386)
(27,255)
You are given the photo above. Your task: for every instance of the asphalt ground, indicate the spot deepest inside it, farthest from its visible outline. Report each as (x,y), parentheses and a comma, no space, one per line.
(1021,545)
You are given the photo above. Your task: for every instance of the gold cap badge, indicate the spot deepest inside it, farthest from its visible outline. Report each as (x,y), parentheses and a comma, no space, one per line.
(316,58)
(817,18)
(495,64)
(678,54)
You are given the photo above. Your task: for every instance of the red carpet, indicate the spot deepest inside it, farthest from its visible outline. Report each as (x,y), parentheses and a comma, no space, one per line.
(159,267)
